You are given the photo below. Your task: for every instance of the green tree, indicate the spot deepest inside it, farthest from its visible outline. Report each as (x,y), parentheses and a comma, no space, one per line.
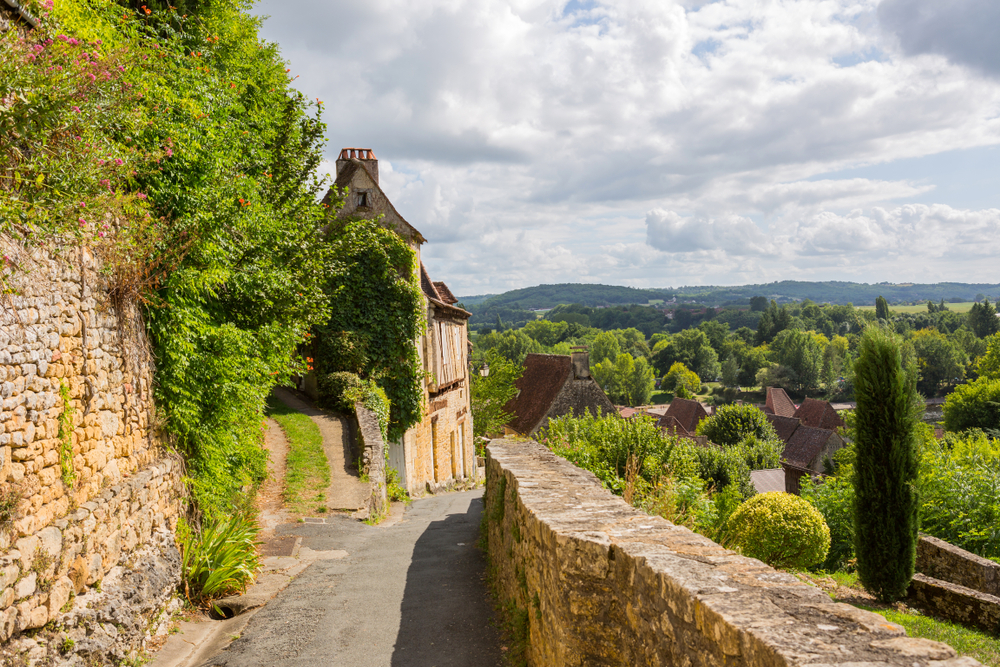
(680,376)
(758,304)
(974,405)
(491,393)
(800,353)
(716,332)
(732,424)
(605,346)
(515,345)
(983,319)
(730,372)
(989,363)
(882,309)
(885,474)
(546,333)
(691,347)
(640,382)
(939,360)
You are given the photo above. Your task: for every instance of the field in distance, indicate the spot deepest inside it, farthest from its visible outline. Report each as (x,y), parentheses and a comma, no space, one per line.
(963,307)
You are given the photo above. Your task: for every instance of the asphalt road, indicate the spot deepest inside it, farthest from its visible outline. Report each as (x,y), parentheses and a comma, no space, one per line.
(410,594)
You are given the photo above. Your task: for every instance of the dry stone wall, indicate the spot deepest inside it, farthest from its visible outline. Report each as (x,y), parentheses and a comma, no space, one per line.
(372,459)
(955,584)
(76,444)
(586,579)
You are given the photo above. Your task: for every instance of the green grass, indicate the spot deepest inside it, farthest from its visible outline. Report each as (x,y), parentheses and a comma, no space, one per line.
(974,643)
(307,471)
(963,307)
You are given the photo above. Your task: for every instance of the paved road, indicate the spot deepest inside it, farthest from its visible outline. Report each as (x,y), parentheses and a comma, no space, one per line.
(410,594)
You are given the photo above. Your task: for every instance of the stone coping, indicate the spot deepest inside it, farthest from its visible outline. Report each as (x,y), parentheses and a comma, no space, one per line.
(598,582)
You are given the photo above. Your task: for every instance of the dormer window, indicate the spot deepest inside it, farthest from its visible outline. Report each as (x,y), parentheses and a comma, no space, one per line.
(364,199)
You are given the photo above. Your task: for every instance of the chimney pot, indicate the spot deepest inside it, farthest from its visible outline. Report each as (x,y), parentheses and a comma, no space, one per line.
(581,363)
(365,155)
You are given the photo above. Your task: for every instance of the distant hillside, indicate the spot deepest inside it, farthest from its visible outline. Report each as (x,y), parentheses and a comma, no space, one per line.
(549,296)
(860,294)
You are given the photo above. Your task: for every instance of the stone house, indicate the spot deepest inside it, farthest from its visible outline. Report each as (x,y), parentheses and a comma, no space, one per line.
(810,447)
(819,414)
(779,403)
(554,385)
(682,417)
(439,451)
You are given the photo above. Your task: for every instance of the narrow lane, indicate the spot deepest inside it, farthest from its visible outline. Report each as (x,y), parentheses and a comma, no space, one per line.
(410,594)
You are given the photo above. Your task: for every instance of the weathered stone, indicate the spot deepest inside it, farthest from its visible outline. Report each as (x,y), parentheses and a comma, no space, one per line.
(26,586)
(599,582)
(59,596)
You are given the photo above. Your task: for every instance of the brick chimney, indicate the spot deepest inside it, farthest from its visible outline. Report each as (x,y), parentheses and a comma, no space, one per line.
(366,156)
(581,362)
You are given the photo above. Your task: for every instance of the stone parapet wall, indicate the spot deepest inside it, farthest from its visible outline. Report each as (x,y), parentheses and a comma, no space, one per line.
(941,560)
(76,440)
(589,580)
(955,603)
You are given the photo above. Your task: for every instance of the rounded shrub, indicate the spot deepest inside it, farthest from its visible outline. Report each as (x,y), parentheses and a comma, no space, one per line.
(780,529)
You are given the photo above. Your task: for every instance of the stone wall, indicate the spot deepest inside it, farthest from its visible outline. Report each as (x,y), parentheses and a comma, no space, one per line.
(936,558)
(75,442)
(586,579)
(956,584)
(372,459)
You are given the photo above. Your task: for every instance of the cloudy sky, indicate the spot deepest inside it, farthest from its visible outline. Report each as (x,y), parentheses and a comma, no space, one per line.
(659,143)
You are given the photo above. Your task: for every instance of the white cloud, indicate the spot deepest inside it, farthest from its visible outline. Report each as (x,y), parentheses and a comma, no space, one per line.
(531,142)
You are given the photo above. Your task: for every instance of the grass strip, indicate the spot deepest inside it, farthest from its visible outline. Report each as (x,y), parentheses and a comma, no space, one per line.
(307,471)
(977,644)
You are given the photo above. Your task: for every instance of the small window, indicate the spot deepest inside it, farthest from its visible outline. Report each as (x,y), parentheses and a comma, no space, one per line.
(363,199)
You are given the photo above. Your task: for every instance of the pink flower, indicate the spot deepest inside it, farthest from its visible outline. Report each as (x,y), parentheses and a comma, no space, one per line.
(76,109)
(170,152)
(100,162)
(73,40)
(38,47)
(119,162)
(83,223)
(101,234)
(83,204)
(121,68)
(106,183)
(140,195)
(62,37)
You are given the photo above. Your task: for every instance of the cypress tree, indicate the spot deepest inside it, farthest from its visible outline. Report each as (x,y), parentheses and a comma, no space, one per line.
(886,503)
(881,308)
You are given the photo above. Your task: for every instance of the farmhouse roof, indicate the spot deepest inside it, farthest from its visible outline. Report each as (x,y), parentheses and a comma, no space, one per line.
(805,444)
(544,376)
(432,290)
(819,414)
(779,403)
(785,426)
(686,412)
(445,293)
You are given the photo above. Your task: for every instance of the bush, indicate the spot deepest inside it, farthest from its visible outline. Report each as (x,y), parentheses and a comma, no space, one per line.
(333,390)
(780,529)
(834,498)
(973,405)
(219,559)
(731,424)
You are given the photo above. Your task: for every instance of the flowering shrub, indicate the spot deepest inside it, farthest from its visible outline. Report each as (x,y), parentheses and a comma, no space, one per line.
(780,529)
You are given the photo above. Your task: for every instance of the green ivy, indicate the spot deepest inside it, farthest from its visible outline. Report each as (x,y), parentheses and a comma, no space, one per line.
(376,316)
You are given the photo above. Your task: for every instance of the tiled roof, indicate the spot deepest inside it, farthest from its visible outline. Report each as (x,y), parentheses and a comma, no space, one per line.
(670,424)
(819,414)
(779,403)
(445,293)
(687,412)
(768,480)
(806,442)
(432,291)
(544,376)
(785,426)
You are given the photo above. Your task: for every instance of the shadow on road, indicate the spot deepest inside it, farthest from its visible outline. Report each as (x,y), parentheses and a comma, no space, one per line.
(447,615)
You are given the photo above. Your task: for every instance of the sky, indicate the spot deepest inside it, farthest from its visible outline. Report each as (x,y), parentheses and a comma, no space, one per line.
(659,143)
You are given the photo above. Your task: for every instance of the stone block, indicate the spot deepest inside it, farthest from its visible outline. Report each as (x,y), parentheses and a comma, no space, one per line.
(26,587)
(51,540)
(59,596)
(26,547)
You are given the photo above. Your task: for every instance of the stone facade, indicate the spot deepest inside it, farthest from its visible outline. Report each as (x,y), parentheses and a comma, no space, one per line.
(589,580)
(438,453)
(75,443)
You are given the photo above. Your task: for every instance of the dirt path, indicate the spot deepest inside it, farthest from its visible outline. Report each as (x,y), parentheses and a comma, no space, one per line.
(346,491)
(270,501)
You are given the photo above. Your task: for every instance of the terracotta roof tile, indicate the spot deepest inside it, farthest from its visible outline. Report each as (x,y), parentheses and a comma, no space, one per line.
(785,426)
(806,442)
(779,403)
(819,414)
(544,376)
(687,412)
(445,293)
(670,424)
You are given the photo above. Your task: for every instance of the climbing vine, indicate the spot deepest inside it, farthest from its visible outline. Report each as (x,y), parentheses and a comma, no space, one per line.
(66,436)
(376,317)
